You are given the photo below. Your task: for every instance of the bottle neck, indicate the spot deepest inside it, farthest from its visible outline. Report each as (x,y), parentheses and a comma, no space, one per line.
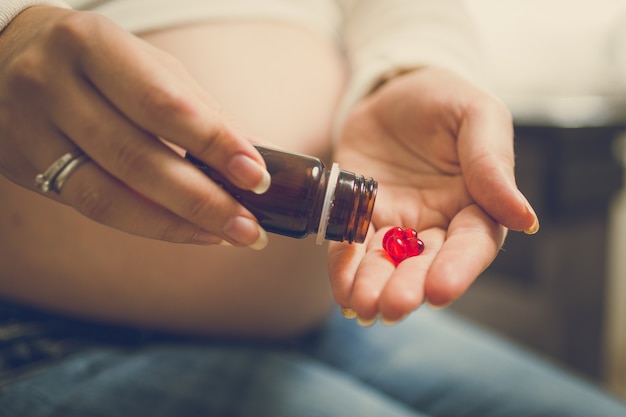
(351,208)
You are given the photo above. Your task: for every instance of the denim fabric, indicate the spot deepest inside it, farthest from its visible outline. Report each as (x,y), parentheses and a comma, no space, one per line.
(432,364)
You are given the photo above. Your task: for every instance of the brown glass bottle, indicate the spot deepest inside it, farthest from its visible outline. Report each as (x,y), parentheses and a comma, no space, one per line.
(306,198)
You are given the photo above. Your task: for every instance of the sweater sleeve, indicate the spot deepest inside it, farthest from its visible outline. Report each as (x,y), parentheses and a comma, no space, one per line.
(385,37)
(11,8)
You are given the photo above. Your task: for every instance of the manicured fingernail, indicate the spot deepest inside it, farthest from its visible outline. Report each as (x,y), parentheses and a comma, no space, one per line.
(366,322)
(533,229)
(264,185)
(348,313)
(261,242)
(205,238)
(535,226)
(390,322)
(437,307)
(245,232)
(249,172)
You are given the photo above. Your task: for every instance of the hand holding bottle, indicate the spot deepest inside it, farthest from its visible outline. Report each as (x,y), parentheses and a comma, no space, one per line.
(73,83)
(442,152)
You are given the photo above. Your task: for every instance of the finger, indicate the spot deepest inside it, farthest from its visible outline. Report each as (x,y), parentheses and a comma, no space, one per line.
(164,103)
(472,242)
(343,262)
(104,199)
(487,160)
(153,169)
(368,280)
(100,197)
(404,291)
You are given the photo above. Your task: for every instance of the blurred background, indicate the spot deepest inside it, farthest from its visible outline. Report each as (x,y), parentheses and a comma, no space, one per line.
(560,65)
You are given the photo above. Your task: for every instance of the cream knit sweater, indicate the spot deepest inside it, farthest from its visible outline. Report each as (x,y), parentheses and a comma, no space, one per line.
(379,37)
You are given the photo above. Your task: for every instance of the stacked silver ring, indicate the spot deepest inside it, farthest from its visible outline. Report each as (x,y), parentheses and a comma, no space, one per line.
(56,175)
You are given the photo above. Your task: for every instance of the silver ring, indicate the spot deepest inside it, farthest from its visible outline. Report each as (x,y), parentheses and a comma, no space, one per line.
(46,181)
(59,180)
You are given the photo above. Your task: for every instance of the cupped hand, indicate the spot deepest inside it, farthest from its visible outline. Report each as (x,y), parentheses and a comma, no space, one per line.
(73,81)
(442,152)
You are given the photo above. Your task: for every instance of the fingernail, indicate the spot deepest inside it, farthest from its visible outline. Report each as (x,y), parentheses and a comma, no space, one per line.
(437,307)
(245,232)
(243,168)
(535,226)
(261,242)
(366,322)
(348,312)
(205,238)
(391,322)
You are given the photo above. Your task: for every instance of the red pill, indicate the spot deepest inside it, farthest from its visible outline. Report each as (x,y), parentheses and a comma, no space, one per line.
(396,248)
(414,247)
(409,233)
(393,233)
(402,243)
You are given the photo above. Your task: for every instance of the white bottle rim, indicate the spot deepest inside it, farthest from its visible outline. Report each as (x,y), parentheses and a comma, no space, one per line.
(329,198)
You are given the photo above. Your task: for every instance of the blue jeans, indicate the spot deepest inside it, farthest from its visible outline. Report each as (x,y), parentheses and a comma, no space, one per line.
(432,364)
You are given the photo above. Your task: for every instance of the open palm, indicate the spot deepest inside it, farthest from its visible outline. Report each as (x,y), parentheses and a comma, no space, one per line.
(442,152)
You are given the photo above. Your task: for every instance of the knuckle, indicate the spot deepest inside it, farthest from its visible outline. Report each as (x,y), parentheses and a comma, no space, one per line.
(501,111)
(132,159)
(26,73)
(166,102)
(92,128)
(33,67)
(491,106)
(198,210)
(175,231)
(207,146)
(78,30)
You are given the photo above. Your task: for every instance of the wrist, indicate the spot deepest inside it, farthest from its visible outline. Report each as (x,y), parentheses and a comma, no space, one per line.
(389,76)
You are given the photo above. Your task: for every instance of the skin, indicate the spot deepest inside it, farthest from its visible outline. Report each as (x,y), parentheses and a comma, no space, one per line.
(444,160)
(115,244)
(76,65)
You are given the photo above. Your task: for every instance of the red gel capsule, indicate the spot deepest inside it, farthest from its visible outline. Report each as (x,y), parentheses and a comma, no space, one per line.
(393,233)
(396,249)
(402,243)
(414,247)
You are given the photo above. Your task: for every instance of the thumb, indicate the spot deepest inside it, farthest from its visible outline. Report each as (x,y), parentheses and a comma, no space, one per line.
(487,159)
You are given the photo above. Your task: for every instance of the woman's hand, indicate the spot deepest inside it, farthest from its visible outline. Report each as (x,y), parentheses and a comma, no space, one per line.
(74,82)
(442,152)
